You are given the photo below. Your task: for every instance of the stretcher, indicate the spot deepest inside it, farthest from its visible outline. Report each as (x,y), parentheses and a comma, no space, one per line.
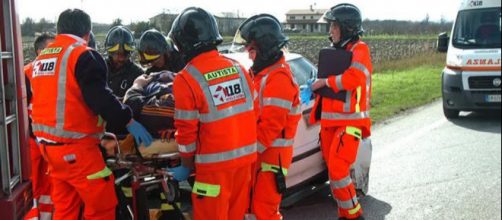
(138,171)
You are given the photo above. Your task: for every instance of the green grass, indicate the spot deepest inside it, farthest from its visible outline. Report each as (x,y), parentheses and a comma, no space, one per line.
(397,90)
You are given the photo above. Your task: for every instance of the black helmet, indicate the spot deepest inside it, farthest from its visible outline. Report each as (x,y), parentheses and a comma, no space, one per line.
(195,30)
(119,37)
(265,31)
(152,45)
(349,18)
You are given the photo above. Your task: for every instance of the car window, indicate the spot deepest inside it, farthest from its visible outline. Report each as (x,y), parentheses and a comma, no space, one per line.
(303,70)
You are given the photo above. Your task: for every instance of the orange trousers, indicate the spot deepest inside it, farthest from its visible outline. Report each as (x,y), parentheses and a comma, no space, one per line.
(40,180)
(266,200)
(339,151)
(233,188)
(80,178)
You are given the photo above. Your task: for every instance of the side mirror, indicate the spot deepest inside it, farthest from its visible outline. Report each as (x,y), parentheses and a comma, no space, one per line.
(443,41)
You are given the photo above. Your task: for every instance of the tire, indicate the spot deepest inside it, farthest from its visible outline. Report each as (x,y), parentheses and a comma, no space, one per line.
(450,113)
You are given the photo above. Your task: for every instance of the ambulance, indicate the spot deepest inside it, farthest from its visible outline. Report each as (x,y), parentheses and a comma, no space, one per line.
(471,79)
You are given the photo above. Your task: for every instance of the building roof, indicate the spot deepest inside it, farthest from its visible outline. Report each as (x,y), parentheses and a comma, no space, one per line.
(306,11)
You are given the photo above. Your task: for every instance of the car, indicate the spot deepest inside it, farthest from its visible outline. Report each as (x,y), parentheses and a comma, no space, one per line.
(308,167)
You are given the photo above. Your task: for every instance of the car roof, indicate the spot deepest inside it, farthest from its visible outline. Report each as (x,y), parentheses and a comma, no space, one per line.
(243,58)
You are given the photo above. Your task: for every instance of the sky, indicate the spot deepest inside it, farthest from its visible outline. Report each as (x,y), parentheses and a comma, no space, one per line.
(105,11)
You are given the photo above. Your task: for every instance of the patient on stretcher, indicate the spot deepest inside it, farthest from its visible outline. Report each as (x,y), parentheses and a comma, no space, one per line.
(152,103)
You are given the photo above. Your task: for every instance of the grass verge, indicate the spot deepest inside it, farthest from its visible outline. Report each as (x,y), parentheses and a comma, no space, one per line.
(397,89)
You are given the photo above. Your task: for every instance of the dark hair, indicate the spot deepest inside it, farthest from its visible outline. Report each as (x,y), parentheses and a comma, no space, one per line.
(74,21)
(40,41)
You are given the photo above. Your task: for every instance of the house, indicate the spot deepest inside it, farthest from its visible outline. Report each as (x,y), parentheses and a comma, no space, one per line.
(306,20)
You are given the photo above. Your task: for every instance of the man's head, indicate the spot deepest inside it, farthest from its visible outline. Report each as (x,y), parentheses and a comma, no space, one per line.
(42,41)
(75,22)
(119,44)
(345,23)
(195,31)
(262,36)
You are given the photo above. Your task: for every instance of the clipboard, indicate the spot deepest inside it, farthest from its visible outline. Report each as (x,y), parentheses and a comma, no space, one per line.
(332,62)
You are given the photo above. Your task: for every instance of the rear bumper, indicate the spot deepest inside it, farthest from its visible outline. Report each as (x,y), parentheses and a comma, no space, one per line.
(461,91)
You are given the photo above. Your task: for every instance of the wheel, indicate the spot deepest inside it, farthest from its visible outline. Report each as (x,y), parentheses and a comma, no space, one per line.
(450,113)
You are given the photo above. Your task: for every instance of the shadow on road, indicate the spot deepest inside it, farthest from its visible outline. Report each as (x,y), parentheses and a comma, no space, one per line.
(322,206)
(374,208)
(486,121)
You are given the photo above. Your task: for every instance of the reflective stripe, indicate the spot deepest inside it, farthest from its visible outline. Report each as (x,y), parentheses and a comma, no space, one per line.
(205,189)
(277,102)
(45,215)
(185,114)
(226,156)
(295,110)
(366,72)
(265,167)
(255,95)
(358,99)
(61,92)
(215,114)
(341,116)
(261,147)
(100,174)
(340,183)
(348,204)
(264,82)
(62,133)
(348,102)
(127,191)
(279,142)
(189,148)
(167,206)
(338,80)
(45,199)
(356,132)
(354,46)
(355,210)
(114,48)
(225,113)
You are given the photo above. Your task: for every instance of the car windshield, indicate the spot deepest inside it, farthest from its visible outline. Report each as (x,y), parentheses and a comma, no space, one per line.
(479,28)
(303,70)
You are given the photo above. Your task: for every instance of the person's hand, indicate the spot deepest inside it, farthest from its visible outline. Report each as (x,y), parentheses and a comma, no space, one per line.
(139,132)
(180,173)
(319,83)
(142,81)
(305,94)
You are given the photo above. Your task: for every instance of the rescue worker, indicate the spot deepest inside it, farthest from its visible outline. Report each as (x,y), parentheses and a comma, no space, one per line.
(71,102)
(40,180)
(277,109)
(157,53)
(119,46)
(344,124)
(214,118)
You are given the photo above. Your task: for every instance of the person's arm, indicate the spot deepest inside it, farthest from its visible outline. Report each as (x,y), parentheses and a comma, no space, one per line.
(91,75)
(278,97)
(186,118)
(355,75)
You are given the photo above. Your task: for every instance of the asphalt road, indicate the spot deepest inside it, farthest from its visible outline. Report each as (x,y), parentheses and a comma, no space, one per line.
(426,167)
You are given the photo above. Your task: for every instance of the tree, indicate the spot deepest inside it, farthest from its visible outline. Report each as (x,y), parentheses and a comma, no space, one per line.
(117,22)
(139,27)
(27,27)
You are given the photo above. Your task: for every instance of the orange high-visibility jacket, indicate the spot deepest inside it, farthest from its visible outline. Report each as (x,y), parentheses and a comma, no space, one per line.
(357,82)
(277,107)
(214,114)
(59,112)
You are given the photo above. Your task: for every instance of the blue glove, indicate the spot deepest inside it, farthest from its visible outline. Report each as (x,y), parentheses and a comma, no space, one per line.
(139,132)
(306,93)
(180,173)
